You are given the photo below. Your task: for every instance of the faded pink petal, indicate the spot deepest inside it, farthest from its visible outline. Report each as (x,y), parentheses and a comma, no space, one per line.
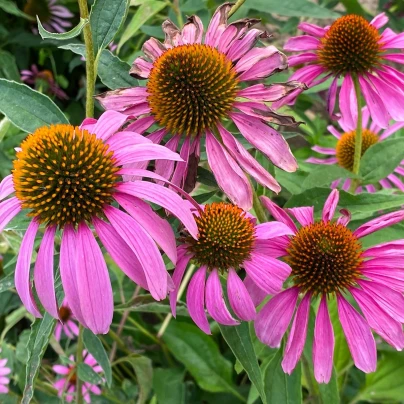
(301,43)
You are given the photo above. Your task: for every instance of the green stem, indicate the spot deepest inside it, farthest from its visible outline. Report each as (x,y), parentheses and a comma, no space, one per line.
(79,359)
(238,4)
(258,209)
(358,136)
(90,70)
(177,10)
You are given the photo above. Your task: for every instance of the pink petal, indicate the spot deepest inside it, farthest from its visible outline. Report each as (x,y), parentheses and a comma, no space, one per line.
(379,223)
(253,56)
(121,140)
(61,370)
(108,123)
(240,47)
(6,187)
(196,300)
(215,302)
(312,29)
(141,68)
(380,20)
(144,152)
(331,97)
(304,215)
(193,30)
(278,213)
(8,209)
(330,205)
(393,248)
(43,272)
(325,150)
(359,337)
(393,278)
(323,345)
(256,293)
(391,130)
(22,269)
(217,24)
(302,43)
(347,102)
(269,230)
(153,49)
(166,167)
(181,168)
(273,319)
(122,98)
(302,59)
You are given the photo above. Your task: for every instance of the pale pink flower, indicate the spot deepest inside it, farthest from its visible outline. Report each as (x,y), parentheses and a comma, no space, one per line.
(4,371)
(66,323)
(328,263)
(194,83)
(69,179)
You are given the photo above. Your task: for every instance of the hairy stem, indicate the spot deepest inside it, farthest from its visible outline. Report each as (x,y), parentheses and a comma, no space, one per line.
(79,359)
(90,70)
(258,209)
(238,4)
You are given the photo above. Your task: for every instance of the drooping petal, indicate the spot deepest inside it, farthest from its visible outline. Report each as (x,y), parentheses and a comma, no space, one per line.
(8,209)
(330,205)
(331,97)
(217,24)
(273,319)
(360,340)
(269,230)
(193,30)
(379,223)
(43,272)
(243,45)
(22,269)
(301,43)
(6,187)
(278,213)
(304,215)
(347,101)
(312,29)
(122,98)
(257,294)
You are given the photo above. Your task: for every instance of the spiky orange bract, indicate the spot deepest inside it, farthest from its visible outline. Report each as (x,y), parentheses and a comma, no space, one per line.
(191,87)
(226,237)
(64,175)
(346,147)
(38,8)
(351,45)
(324,257)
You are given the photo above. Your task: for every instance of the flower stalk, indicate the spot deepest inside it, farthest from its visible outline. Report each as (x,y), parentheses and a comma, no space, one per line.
(79,359)
(238,4)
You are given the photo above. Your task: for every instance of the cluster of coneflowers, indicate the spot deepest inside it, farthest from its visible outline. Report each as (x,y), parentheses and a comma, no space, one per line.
(89,186)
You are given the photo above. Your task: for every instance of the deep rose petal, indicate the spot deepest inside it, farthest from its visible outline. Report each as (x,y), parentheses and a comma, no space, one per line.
(256,293)
(330,205)
(108,124)
(269,230)
(347,101)
(278,213)
(379,223)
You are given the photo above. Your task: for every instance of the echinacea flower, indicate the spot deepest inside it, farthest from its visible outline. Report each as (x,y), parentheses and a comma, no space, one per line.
(4,371)
(344,151)
(352,47)
(68,179)
(329,263)
(66,323)
(53,16)
(194,83)
(43,81)
(229,242)
(66,386)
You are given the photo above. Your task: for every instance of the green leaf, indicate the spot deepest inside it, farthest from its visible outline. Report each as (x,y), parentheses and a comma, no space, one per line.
(87,374)
(142,15)
(201,357)
(11,8)
(293,182)
(8,66)
(7,283)
(280,387)
(325,175)
(77,48)
(106,19)
(386,384)
(63,36)
(374,164)
(239,340)
(95,347)
(292,8)
(41,331)
(26,108)
(329,392)
(169,386)
(353,7)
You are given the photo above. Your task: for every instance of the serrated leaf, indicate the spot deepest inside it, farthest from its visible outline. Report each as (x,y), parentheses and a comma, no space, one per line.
(106,19)
(87,374)
(11,8)
(239,340)
(8,66)
(94,347)
(64,35)
(145,11)
(26,108)
(41,331)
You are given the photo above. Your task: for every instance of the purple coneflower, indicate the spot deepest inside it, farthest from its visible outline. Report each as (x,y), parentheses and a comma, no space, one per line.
(229,242)
(4,371)
(344,151)
(68,179)
(66,386)
(352,48)
(329,263)
(194,83)
(44,81)
(66,323)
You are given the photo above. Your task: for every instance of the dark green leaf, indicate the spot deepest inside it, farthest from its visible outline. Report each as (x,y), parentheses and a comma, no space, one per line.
(8,66)
(169,386)
(63,36)
(11,8)
(95,347)
(325,175)
(293,182)
(41,331)
(26,108)
(353,7)
(239,340)
(106,19)
(87,374)
(329,392)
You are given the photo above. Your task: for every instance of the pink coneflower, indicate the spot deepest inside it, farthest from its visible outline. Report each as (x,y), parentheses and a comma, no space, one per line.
(43,80)
(328,262)
(69,179)
(193,84)
(66,386)
(53,17)
(66,323)
(229,242)
(352,47)
(344,150)
(4,371)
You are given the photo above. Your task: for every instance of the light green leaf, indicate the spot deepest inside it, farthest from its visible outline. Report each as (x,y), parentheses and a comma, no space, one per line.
(106,19)
(95,347)
(87,374)
(7,283)
(64,35)
(325,175)
(353,7)
(374,164)
(8,66)
(169,386)
(329,392)
(142,15)
(293,182)
(292,8)
(239,340)
(26,108)
(201,356)
(77,48)
(11,8)
(41,331)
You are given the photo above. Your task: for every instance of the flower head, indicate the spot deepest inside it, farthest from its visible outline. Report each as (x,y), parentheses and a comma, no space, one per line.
(344,151)
(229,242)
(352,48)
(44,81)
(66,386)
(68,179)
(195,83)
(4,371)
(329,263)
(54,17)
(66,323)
